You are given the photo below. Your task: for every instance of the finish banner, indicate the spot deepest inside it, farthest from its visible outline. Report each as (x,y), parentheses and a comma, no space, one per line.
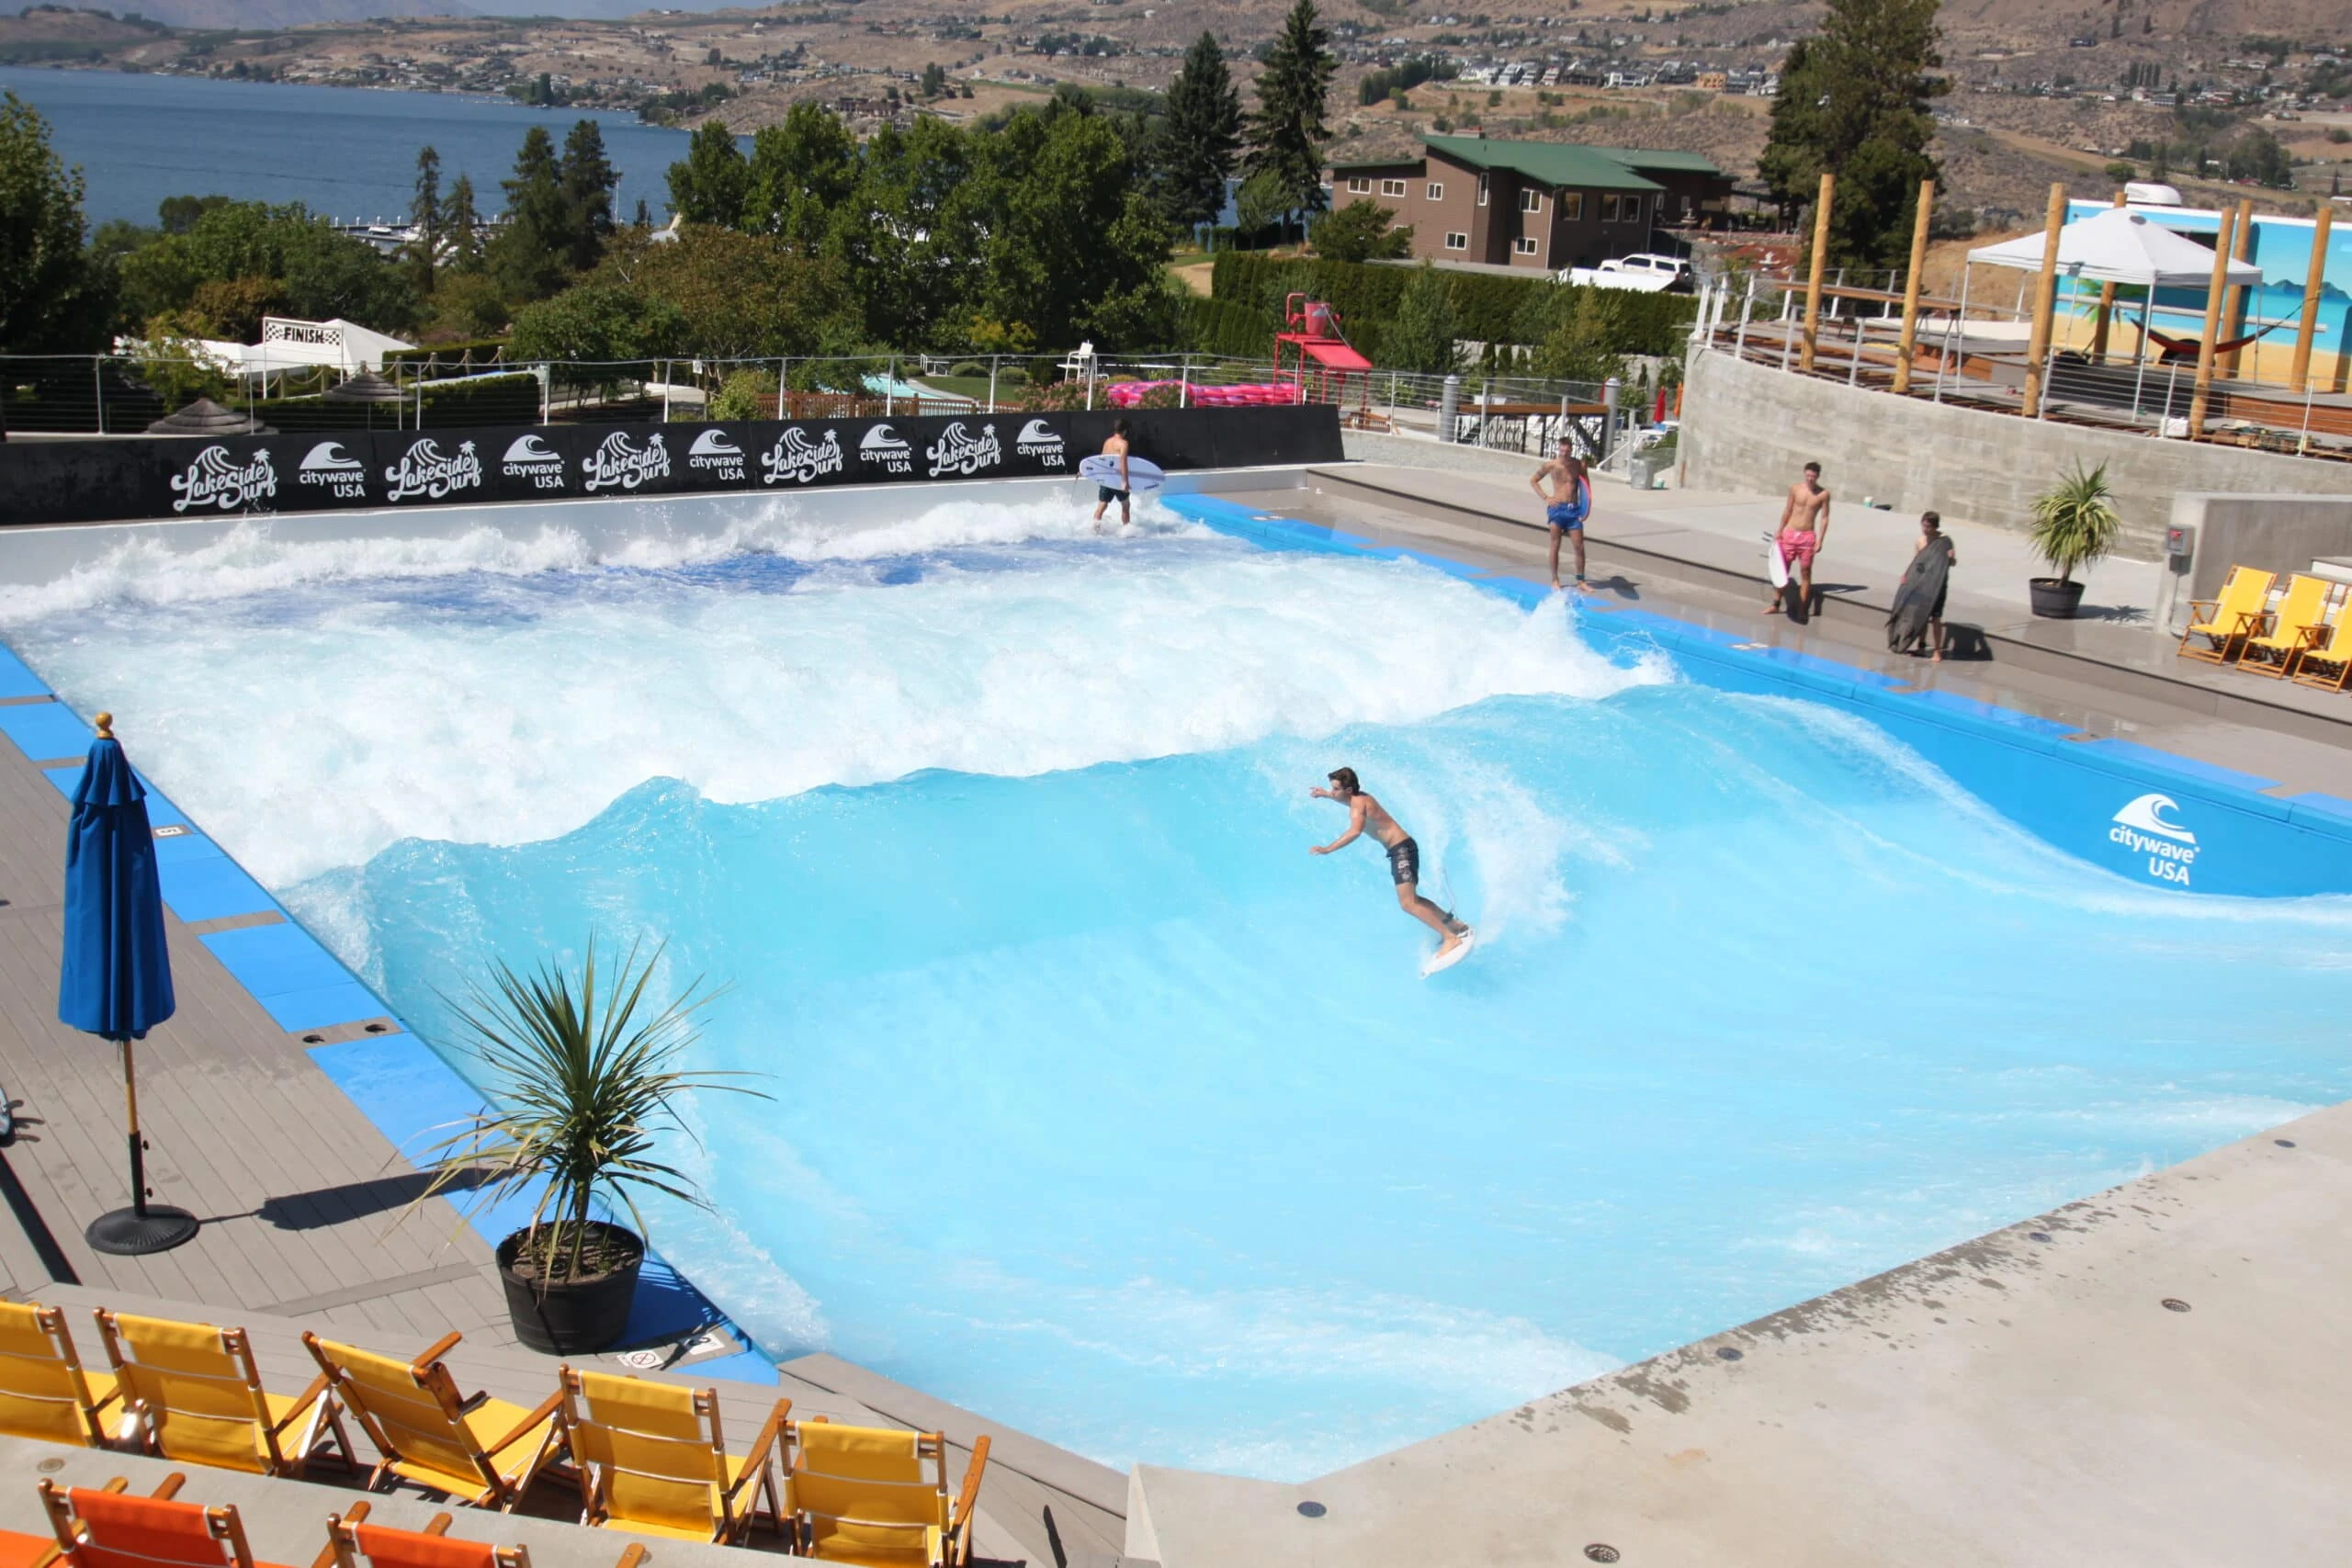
(85,481)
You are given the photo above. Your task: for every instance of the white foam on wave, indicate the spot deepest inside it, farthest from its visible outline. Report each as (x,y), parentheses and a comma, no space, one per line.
(309,730)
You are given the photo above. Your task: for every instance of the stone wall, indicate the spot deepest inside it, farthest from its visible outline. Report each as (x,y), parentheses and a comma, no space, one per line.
(1750,427)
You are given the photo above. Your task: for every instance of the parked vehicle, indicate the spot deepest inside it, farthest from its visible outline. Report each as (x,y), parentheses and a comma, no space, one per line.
(1646,272)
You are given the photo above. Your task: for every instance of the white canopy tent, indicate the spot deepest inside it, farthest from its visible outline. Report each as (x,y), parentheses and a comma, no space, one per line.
(2120,246)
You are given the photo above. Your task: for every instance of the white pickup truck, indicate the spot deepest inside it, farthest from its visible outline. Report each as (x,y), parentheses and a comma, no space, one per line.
(1646,272)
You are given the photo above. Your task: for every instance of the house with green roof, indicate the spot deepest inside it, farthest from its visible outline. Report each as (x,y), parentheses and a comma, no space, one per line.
(1540,205)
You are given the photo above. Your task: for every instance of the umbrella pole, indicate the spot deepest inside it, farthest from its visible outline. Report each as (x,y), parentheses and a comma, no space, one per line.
(130,1114)
(144,1227)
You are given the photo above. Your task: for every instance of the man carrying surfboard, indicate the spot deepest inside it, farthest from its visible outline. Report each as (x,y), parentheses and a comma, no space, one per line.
(1116,449)
(1804,528)
(1365,815)
(1567,507)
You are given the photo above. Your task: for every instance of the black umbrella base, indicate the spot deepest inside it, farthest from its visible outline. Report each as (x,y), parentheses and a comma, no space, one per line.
(126,1233)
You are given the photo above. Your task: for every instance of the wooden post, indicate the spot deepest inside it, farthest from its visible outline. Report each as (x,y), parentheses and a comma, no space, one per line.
(1812,283)
(2045,301)
(2106,311)
(1910,339)
(2299,373)
(2204,390)
(2233,306)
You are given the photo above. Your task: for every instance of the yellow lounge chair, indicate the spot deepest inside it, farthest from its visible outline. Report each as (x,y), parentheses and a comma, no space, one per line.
(860,1494)
(2228,620)
(196,1398)
(426,1431)
(653,1458)
(2329,647)
(44,1393)
(2272,648)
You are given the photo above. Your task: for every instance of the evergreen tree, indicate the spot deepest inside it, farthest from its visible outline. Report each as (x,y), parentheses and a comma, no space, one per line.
(1201,138)
(1421,335)
(53,297)
(461,227)
(1287,132)
(531,253)
(589,180)
(707,185)
(425,216)
(1853,102)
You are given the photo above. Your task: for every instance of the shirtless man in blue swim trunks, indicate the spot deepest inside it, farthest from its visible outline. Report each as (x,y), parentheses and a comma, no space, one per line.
(1365,815)
(1565,506)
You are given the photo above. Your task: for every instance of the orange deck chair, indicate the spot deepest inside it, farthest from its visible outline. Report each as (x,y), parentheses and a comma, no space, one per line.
(862,1495)
(198,1399)
(653,1458)
(44,1392)
(104,1527)
(430,1434)
(353,1544)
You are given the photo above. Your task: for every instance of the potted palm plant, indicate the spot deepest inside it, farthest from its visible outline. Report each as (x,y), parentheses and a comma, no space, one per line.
(2074,524)
(586,1077)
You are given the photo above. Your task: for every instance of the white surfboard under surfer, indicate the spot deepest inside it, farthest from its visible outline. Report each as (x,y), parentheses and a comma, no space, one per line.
(1366,814)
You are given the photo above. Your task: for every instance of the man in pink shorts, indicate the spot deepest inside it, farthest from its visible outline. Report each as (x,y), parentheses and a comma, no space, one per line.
(1804,528)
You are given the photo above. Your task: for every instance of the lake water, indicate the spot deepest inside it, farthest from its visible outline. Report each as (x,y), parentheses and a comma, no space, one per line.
(349,152)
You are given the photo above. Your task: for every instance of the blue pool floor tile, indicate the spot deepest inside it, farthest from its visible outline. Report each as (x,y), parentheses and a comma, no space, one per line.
(44,730)
(16,678)
(269,960)
(211,888)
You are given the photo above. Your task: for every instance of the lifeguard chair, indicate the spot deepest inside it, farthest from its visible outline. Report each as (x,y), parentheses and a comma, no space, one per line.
(1315,359)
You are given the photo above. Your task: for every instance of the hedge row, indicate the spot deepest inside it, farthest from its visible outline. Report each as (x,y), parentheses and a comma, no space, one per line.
(1491,309)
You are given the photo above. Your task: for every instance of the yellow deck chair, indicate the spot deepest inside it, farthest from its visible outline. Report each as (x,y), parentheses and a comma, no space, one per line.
(196,1398)
(2272,646)
(2325,649)
(2229,620)
(429,1434)
(653,1458)
(44,1393)
(861,1494)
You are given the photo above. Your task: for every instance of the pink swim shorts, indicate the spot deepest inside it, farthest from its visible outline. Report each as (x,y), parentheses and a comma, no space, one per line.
(1797,546)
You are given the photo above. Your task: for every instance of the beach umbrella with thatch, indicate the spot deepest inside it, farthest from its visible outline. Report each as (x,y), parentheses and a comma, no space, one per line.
(205,417)
(115,979)
(371,391)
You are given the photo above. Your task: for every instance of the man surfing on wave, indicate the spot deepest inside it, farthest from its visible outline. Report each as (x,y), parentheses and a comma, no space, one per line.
(1366,814)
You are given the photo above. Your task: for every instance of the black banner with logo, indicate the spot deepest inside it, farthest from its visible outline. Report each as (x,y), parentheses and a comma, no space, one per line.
(94,481)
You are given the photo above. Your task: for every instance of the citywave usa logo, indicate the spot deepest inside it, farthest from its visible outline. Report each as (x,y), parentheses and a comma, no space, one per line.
(2145,826)
(958,452)
(329,467)
(424,469)
(532,459)
(714,454)
(214,479)
(796,457)
(887,447)
(617,463)
(1036,441)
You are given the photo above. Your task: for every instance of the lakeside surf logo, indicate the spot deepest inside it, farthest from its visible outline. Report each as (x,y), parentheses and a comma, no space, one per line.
(1046,446)
(532,459)
(217,479)
(959,452)
(713,453)
(886,447)
(425,469)
(796,457)
(2145,826)
(329,468)
(620,464)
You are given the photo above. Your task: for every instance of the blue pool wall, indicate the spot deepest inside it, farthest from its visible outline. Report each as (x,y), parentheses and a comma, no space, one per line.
(2218,833)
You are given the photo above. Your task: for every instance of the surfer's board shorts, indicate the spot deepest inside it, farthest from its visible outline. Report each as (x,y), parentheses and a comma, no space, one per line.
(1105,493)
(1405,861)
(1568,515)
(1797,546)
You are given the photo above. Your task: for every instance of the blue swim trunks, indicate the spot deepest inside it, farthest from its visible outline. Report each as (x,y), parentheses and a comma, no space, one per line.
(1568,514)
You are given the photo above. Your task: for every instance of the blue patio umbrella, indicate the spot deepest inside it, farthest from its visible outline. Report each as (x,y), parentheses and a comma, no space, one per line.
(115,979)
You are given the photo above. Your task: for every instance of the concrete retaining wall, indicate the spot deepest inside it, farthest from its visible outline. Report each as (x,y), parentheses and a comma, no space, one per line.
(1750,427)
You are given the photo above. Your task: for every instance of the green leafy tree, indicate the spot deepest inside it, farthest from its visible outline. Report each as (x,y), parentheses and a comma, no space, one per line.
(1359,232)
(1262,201)
(284,259)
(709,184)
(588,179)
(1057,177)
(800,173)
(739,295)
(1287,133)
(746,394)
(598,323)
(424,214)
(54,296)
(530,256)
(1421,335)
(1577,347)
(1199,142)
(1854,102)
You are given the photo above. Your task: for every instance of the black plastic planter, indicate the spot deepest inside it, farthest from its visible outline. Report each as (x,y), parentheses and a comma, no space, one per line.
(574,1316)
(2055,598)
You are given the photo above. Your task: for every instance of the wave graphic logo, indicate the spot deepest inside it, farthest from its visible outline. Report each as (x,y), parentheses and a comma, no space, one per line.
(2145,826)
(217,479)
(714,452)
(1036,441)
(714,443)
(329,468)
(529,457)
(886,446)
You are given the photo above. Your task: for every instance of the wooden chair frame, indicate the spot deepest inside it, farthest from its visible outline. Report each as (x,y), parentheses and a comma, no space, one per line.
(222,1521)
(434,1378)
(759,1465)
(2316,638)
(316,1400)
(2203,618)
